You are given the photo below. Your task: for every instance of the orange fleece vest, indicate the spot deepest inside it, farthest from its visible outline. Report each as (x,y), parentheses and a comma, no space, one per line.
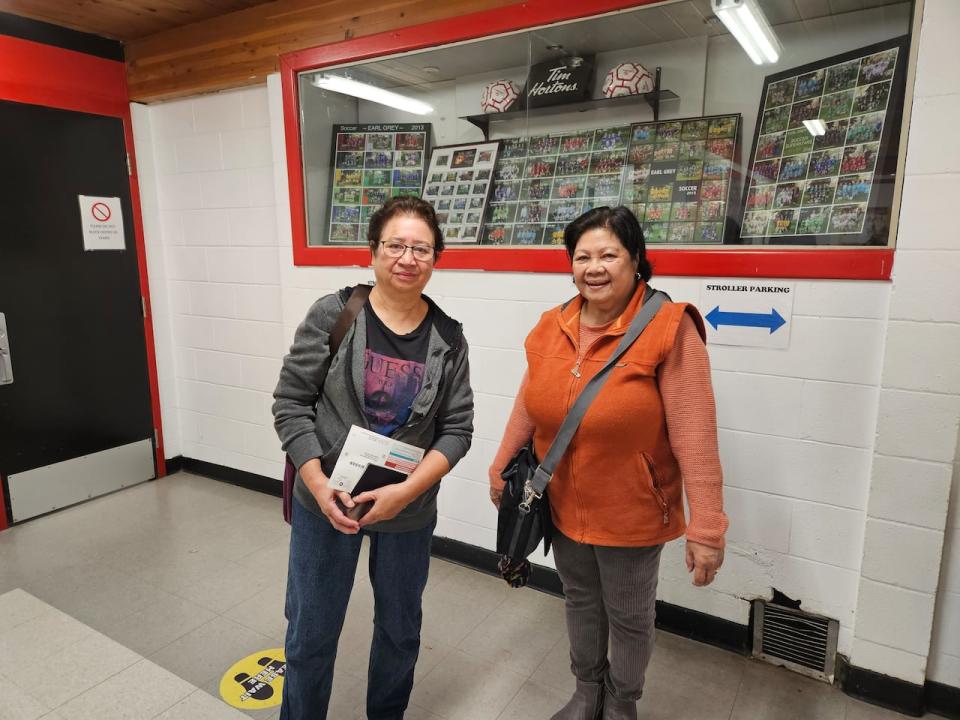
(619,483)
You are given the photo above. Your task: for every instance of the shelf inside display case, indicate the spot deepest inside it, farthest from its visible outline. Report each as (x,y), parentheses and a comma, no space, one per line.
(653,98)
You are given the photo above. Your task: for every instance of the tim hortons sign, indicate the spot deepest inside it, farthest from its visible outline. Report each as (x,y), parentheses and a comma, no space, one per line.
(559,81)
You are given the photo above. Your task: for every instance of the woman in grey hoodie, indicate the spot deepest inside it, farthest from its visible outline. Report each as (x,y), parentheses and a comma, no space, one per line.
(401,371)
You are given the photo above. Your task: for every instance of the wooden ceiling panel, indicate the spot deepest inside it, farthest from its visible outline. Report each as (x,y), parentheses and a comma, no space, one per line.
(124,19)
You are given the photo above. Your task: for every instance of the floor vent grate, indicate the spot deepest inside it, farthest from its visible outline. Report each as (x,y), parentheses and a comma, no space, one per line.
(800,641)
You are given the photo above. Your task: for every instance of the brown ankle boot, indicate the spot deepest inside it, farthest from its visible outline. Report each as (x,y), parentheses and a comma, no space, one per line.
(586,703)
(615,709)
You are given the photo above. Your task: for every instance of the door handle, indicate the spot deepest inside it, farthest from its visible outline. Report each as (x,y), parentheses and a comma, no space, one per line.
(6,365)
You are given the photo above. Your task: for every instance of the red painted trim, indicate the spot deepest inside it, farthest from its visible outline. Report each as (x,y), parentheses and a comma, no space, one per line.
(730,261)
(38,74)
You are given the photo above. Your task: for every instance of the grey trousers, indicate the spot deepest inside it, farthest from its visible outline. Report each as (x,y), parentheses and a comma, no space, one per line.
(611,597)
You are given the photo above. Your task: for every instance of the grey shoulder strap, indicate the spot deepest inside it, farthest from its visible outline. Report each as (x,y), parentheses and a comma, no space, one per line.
(653,301)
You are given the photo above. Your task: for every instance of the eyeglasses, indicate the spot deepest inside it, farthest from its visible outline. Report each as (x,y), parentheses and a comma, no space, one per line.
(395,249)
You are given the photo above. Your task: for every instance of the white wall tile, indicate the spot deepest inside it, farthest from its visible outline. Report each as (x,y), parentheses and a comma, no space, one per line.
(246,148)
(219,111)
(902,555)
(838,413)
(806,470)
(889,661)
(179,192)
(514,320)
(758,519)
(172,119)
(820,349)
(205,227)
(925,286)
(950,565)
(261,189)
(261,441)
(468,502)
(253,226)
(448,527)
(220,432)
(944,668)
(171,227)
(758,403)
(823,589)
(256,111)
(827,534)
(918,425)
(933,118)
(193,332)
(491,413)
(894,617)
(838,298)
(178,298)
(211,299)
(496,371)
(218,368)
(925,212)
(249,338)
(224,189)
(258,302)
(260,373)
(185,263)
(939,344)
(938,49)
(198,153)
(476,463)
(252,266)
(222,401)
(910,491)
(705,600)
(948,624)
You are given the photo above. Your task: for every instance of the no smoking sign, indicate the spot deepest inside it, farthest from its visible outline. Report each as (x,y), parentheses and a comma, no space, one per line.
(102,222)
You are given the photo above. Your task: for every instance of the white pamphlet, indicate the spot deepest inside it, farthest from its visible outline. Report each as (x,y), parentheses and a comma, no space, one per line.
(376,459)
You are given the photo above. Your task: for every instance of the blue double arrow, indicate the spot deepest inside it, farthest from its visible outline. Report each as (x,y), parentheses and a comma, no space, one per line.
(772,320)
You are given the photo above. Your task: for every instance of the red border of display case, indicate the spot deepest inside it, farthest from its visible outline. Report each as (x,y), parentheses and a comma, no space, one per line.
(729,261)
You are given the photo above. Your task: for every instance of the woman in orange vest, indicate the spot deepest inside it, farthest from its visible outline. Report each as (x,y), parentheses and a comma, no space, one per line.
(650,435)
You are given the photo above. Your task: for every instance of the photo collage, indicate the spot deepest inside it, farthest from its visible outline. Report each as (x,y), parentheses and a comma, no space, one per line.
(372,163)
(816,177)
(678,178)
(543,182)
(458,185)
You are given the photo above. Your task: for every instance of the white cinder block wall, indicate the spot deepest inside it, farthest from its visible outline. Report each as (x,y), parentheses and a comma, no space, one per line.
(830,502)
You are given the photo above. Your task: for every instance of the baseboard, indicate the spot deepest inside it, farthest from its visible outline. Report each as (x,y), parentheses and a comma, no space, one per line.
(942,699)
(242,478)
(672,618)
(873,687)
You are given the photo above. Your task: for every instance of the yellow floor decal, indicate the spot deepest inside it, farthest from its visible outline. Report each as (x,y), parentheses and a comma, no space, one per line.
(256,681)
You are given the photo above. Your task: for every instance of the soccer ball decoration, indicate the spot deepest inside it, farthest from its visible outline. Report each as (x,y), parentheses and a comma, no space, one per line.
(498,96)
(627,79)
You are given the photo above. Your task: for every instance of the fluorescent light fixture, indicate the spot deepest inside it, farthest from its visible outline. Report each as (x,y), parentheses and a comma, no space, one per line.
(365,91)
(747,23)
(815,127)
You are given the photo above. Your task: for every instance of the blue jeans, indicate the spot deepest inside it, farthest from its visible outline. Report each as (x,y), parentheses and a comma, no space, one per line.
(323,562)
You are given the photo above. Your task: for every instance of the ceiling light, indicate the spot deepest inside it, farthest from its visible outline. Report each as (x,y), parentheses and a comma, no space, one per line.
(364,91)
(815,127)
(747,23)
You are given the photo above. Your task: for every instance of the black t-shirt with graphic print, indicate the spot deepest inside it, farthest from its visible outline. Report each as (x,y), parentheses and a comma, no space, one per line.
(394,366)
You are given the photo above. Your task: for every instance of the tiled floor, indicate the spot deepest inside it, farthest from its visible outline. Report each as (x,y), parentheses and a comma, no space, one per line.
(134,605)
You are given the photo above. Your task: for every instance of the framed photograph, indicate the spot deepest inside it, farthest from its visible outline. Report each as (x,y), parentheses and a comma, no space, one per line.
(824,157)
(371,164)
(543,182)
(467,172)
(679,176)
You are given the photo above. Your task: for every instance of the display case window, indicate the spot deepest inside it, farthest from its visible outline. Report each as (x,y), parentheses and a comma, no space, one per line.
(727,164)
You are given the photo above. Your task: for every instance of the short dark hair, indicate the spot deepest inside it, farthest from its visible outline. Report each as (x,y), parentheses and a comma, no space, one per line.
(622,223)
(405,205)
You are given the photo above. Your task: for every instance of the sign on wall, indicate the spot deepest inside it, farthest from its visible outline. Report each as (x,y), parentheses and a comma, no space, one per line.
(825,149)
(757,313)
(371,164)
(102,221)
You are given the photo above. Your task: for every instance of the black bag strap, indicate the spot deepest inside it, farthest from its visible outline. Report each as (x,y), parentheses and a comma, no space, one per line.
(652,302)
(349,313)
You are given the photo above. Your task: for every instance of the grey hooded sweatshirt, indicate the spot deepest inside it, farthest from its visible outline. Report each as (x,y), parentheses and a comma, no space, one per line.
(318,399)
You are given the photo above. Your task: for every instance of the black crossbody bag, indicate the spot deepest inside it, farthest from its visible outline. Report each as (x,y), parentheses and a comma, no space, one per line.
(524,519)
